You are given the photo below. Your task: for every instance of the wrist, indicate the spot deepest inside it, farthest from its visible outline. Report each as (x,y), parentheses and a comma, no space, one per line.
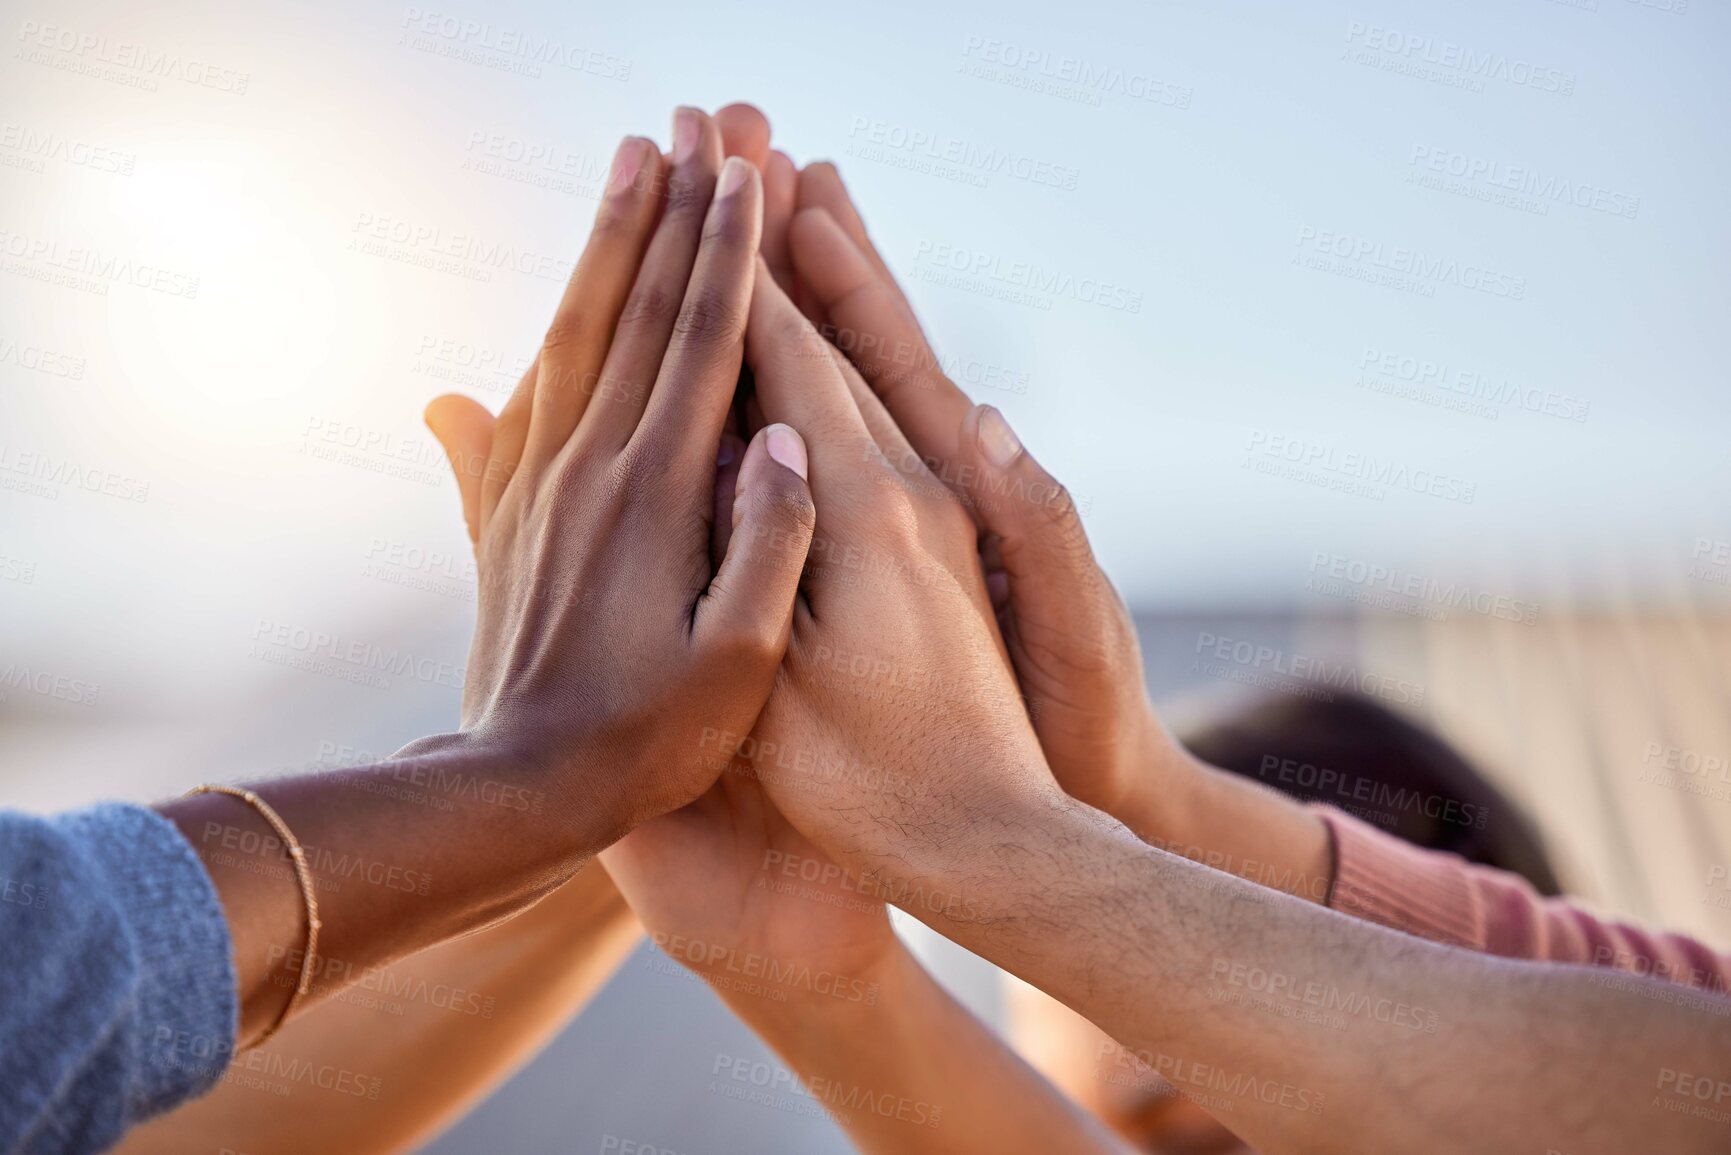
(1163,789)
(562,815)
(824,999)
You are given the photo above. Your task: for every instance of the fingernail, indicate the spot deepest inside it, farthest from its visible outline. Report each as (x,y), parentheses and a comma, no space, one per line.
(628,162)
(785,446)
(727,452)
(733,175)
(685,127)
(997,439)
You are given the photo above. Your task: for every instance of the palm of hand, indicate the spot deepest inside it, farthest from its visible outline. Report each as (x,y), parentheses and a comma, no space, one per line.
(727,880)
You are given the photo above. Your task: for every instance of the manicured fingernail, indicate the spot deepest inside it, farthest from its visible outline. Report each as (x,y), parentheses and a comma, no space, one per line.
(733,175)
(727,452)
(628,162)
(785,446)
(997,439)
(685,129)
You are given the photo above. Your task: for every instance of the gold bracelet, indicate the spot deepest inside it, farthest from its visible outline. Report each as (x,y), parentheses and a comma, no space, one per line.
(304,874)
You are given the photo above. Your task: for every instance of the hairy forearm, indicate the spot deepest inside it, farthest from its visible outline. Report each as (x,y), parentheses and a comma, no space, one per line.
(914,1073)
(392,875)
(1305,1030)
(1200,812)
(433,1034)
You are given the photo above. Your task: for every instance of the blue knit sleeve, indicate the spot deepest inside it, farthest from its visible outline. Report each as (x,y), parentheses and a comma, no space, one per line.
(119,996)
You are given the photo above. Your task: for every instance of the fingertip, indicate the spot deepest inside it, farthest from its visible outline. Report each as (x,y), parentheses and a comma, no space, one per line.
(745,132)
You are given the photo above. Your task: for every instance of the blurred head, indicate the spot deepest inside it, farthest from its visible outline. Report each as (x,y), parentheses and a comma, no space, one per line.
(1358,755)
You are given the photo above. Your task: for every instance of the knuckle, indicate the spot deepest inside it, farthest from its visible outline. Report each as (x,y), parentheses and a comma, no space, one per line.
(651,305)
(686,197)
(752,640)
(711,317)
(567,330)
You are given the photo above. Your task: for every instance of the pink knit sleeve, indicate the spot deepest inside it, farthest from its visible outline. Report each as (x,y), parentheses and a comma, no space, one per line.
(1444,898)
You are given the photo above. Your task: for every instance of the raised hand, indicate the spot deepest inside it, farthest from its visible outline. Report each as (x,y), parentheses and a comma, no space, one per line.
(896,713)
(1069,634)
(608,641)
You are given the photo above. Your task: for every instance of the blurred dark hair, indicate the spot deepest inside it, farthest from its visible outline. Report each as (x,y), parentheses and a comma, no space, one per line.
(1360,756)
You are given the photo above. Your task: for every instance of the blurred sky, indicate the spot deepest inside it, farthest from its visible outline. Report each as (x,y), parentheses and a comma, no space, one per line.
(243,245)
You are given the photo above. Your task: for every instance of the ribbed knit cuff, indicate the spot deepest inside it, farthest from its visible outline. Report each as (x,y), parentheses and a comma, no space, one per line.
(1381,879)
(187,1001)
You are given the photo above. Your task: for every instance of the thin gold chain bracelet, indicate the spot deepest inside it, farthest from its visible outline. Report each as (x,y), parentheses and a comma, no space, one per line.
(303,874)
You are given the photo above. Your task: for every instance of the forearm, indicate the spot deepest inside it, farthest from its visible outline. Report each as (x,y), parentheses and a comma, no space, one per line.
(1197,811)
(482,1005)
(392,876)
(1206,978)
(914,1073)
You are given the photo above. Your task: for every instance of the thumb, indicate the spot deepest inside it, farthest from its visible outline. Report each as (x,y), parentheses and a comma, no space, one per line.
(465,430)
(1034,530)
(749,607)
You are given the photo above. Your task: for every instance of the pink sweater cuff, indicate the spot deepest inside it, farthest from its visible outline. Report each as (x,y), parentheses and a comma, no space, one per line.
(1383,880)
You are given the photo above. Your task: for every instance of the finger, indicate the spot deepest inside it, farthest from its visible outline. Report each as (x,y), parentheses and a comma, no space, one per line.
(797,382)
(582,329)
(877,331)
(820,187)
(694,387)
(728,459)
(645,326)
(1035,529)
(465,429)
(748,609)
(744,133)
(780,199)
(510,433)
(882,426)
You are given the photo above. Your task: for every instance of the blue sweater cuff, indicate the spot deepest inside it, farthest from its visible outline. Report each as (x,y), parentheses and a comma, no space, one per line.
(187,1001)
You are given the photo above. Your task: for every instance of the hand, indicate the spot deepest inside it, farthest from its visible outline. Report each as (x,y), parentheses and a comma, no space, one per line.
(1069,635)
(607,640)
(730,889)
(896,723)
